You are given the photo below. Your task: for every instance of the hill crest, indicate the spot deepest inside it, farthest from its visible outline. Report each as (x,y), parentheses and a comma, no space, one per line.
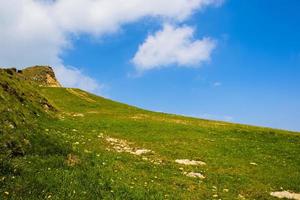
(42,75)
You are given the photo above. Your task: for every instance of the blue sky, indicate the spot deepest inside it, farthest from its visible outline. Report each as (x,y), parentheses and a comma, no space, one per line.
(252,74)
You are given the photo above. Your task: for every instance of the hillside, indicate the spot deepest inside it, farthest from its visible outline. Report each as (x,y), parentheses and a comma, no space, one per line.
(63,143)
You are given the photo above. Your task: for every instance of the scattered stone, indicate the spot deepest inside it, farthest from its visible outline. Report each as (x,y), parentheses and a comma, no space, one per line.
(87,151)
(120,146)
(144,158)
(6,193)
(141,151)
(123,146)
(189,162)
(156,161)
(194,175)
(46,107)
(241,197)
(225,190)
(215,196)
(11,126)
(286,194)
(253,163)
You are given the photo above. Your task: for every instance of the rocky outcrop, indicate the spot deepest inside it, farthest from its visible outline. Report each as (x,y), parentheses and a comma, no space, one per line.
(42,75)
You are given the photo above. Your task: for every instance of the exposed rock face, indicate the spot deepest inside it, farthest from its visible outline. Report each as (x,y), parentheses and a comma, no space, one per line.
(42,75)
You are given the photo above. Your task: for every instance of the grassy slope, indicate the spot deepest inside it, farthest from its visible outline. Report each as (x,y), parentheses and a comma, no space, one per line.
(228,150)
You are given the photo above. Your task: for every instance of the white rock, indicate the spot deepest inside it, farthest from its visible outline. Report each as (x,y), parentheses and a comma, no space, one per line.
(194,175)
(286,194)
(189,162)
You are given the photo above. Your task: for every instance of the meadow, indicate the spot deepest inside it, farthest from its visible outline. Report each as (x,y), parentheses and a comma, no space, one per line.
(63,143)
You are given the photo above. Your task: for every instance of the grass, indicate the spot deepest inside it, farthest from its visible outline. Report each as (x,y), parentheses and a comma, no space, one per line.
(75,121)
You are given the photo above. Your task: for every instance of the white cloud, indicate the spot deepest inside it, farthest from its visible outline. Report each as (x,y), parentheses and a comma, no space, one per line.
(101,16)
(38,31)
(173,45)
(75,78)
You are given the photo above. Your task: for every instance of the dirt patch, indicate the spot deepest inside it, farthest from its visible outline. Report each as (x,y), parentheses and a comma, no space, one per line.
(72,160)
(286,194)
(194,175)
(189,162)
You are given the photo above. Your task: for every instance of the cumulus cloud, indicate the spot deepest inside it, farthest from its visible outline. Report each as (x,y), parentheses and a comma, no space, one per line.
(173,45)
(38,31)
(102,16)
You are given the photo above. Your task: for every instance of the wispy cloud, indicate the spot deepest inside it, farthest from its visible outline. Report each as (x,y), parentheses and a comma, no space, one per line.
(217,84)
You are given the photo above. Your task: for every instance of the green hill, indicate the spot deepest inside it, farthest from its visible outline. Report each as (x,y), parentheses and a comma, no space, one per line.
(63,143)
